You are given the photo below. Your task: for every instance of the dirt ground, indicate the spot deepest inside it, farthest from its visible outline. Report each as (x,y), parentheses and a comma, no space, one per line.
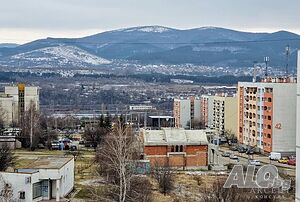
(188,186)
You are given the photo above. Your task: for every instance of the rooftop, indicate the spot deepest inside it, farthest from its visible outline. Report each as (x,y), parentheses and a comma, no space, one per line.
(161,117)
(49,162)
(279,79)
(172,136)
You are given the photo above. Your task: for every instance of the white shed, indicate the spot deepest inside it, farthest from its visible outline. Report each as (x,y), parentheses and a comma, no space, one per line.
(44,179)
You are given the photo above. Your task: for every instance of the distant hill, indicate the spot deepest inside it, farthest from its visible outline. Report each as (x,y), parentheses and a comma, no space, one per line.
(156,45)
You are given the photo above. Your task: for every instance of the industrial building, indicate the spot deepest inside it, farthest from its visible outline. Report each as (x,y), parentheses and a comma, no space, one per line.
(267,115)
(176,147)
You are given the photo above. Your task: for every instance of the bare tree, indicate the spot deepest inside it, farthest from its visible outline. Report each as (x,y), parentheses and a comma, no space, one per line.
(2,117)
(165,177)
(6,190)
(198,124)
(116,158)
(30,126)
(217,193)
(7,158)
(230,135)
(48,133)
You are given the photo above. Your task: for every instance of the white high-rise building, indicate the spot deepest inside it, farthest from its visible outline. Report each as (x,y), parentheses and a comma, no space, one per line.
(187,112)
(6,109)
(298,133)
(16,100)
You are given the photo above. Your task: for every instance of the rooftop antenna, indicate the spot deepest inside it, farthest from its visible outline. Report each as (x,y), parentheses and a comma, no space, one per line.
(287,49)
(266,59)
(254,72)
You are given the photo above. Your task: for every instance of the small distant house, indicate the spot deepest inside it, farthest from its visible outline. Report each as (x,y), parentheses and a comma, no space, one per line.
(44,179)
(9,137)
(176,147)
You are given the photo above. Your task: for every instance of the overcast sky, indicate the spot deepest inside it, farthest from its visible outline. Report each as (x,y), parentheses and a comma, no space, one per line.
(25,20)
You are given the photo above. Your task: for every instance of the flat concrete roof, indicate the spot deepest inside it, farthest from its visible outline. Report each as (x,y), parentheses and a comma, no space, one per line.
(50,162)
(174,136)
(161,117)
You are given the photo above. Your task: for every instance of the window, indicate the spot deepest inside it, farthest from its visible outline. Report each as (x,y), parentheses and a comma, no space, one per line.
(37,190)
(177,148)
(22,195)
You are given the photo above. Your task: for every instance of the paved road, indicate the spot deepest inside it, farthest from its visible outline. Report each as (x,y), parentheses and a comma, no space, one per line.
(243,160)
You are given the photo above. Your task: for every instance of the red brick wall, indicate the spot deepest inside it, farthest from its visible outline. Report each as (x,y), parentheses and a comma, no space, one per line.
(155,150)
(196,155)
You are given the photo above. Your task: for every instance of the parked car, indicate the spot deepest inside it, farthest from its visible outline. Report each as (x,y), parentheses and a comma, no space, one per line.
(283,160)
(234,148)
(292,162)
(226,154)
(56,145)
(234,157)
(41,146)
(232,141)
(250,151)
(275,156)
(242,150)
(73,147)
(90,144)
(254,162)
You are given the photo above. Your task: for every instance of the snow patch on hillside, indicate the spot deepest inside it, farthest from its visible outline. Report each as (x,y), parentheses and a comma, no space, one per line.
(156,29)
(63,54)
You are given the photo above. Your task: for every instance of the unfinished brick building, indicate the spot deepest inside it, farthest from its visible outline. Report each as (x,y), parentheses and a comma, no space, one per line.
(176,147)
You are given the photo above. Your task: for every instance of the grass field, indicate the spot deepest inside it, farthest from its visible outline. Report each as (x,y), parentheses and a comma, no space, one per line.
(187,187)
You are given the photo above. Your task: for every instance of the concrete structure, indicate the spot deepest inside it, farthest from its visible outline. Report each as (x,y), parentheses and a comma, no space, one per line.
(176,147)
(44,179)
(6,109)
(141,108)
(207,110)
(187,112)
(8,137)
(157,122)
(225,114)
(297,196)
(23,96)
(10,141)
(267,115)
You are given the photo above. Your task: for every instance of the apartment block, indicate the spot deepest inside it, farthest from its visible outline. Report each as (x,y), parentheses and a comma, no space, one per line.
(16,100)
(187,112)
(6,109)
(297,197)
(267,115)
(224,114)
(207,110)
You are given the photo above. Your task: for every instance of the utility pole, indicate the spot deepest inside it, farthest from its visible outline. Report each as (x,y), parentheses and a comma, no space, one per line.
(266,59)
(254,72)
(287,49)
(31,126)
(145,120)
